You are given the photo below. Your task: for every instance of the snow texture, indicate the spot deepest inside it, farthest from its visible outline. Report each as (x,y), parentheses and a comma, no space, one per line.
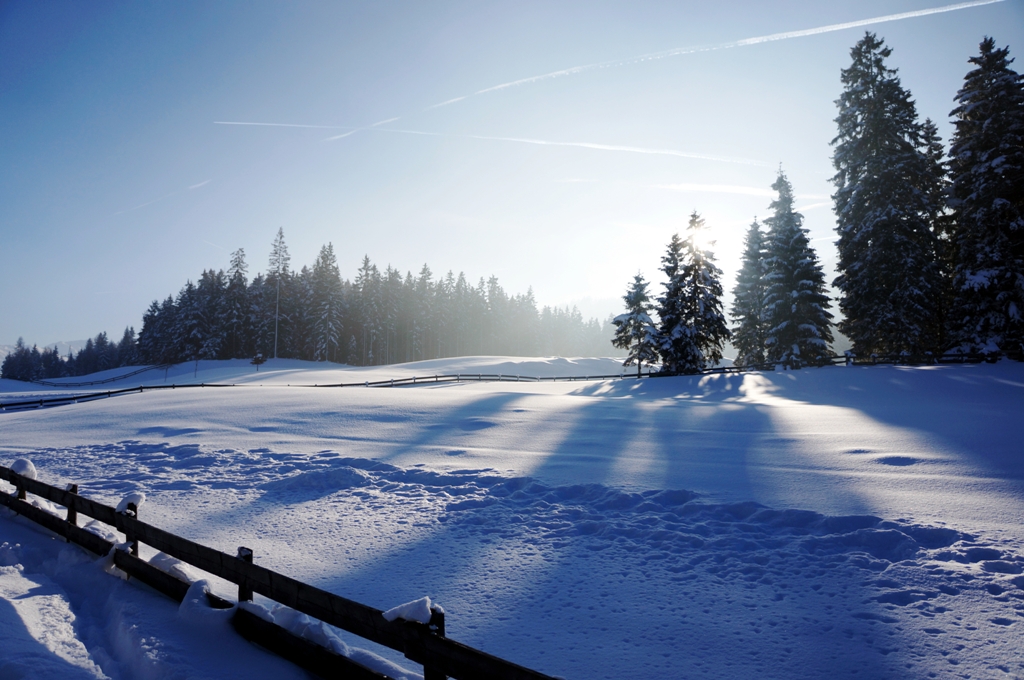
(842,522)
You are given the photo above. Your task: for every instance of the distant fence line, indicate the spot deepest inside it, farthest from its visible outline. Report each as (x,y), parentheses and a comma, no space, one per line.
(425,644)
(89,383)
(847,359)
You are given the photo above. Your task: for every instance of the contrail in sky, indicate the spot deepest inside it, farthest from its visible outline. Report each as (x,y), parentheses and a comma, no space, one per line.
(587,145)
(520,140)
(633,60)
(320,127)
(728,45)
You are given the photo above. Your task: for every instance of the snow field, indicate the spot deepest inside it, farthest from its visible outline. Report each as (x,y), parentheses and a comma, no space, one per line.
(847,522)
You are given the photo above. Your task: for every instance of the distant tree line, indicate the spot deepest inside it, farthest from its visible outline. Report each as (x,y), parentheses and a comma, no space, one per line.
(99,354)
(379,317)
(931,248)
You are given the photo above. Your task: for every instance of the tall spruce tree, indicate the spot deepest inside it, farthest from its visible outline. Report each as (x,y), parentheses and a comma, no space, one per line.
(750,333)
(127,349)
(328,307)
(888,275)
(987,196)
(634,330)
(795,301)
(692,326)
(238,333)
(277,274)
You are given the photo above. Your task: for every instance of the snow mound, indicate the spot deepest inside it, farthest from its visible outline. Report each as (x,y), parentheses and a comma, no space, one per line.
(24,467)
(417,610)
(136,498)
(195,610)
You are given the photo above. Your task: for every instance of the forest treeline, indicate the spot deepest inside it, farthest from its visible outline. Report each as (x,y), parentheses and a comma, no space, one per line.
(930,261)
(379,317)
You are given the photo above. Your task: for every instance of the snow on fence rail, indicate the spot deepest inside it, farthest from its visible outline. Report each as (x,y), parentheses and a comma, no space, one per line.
(423,643)
(847,359)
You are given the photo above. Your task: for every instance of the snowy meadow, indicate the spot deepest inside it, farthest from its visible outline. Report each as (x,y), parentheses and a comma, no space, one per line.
(851,521)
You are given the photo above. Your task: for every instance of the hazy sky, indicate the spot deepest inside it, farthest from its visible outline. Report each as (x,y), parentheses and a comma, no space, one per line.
(118,181)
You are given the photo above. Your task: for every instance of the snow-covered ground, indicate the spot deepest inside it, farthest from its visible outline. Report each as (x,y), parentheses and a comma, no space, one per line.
(853,522)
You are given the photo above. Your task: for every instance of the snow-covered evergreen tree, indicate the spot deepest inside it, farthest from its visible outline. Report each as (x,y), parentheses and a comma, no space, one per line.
(634,330)
(796,304)
(987,172)
(277,276)
(692,327)
(210,299)
(888,274)
(750,333)
(188,331)
(238,333)
(157,339)
(127,349)
(328,306)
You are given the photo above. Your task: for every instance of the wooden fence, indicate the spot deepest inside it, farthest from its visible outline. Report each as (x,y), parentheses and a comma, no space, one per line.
(425,644)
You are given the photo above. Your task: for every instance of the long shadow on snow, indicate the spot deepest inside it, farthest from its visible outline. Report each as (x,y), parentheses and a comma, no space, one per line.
(24,657)
(968,408)
(471,417)
(712,441)
(457,563)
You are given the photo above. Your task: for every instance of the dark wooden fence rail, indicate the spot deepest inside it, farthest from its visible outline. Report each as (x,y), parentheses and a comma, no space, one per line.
(426,644)
(849,360)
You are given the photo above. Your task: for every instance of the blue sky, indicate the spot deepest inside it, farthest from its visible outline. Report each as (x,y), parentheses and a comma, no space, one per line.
(117,183)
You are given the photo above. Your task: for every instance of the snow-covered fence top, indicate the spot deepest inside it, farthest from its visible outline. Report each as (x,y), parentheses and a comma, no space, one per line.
(424,643)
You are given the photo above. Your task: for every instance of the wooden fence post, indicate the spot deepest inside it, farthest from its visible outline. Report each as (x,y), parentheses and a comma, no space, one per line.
(132,510)
(244,591)
(436,626)
(72,513)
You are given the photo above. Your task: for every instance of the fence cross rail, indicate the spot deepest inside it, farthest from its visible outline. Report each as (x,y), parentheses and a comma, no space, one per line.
(425,644)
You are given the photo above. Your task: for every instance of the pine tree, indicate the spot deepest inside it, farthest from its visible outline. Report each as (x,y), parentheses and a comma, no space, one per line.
(987,171)
(634,330)
(106,352)
(18,364)
(238,333)
(277,273)
(327,306)
(188,331)
(127,349)
(368,305)
(888,274)
(210,300)
(795,300)
(748,309)
(692,326)
(423,313)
